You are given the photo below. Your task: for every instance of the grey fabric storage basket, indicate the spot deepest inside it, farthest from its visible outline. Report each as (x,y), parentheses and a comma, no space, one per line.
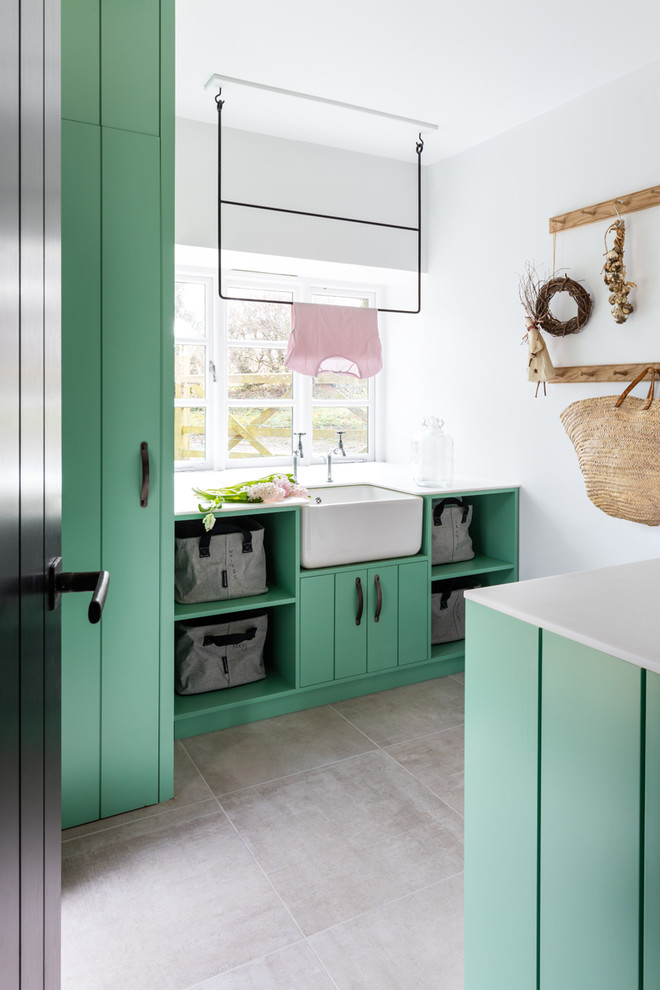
(450,535)
(227,562)
(448,613)
(209,656)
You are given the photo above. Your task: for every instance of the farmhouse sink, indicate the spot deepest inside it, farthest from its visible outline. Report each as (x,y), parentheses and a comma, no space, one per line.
(352,523)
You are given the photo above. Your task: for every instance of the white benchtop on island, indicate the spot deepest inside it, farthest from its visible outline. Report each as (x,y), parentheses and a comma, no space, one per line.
(386,475)
(612,609)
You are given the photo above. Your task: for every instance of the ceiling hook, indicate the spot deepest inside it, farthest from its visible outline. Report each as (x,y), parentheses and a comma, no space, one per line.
(218,101)
(419,146)
(614,202)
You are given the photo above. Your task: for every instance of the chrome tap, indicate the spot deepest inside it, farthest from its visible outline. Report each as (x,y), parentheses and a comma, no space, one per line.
(297,453)
(329,456)
(339,449)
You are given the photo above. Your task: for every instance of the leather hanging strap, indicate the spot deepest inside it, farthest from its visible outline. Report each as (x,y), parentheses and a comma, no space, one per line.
(642,374)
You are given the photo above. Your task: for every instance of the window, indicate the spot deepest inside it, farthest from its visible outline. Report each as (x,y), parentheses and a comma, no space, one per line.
(243,406)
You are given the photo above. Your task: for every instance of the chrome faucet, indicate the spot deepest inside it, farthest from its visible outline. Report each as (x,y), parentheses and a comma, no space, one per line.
(329,456)
(339,449)
(297,453)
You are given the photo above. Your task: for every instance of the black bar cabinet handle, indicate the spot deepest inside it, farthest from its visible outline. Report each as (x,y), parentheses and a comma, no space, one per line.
(360,597)
(379,598)
(144,494)
(61,583)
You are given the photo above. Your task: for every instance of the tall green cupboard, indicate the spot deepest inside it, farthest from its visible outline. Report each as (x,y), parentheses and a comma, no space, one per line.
(117,298)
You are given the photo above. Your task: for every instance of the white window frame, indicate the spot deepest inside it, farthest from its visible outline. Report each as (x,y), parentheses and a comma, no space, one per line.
(218,401)
(203,277)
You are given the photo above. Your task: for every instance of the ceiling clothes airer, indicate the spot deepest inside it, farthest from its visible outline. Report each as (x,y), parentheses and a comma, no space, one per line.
(419,146)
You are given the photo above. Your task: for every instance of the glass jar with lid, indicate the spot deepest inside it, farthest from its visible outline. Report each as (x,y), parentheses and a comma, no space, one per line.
(432,455)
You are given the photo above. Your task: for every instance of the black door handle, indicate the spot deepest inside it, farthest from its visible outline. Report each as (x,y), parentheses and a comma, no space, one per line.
(360,598)
(379,598)
(144,454)
(61,582)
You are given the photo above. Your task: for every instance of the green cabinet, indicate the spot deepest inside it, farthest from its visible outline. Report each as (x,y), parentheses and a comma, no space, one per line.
(651,871)
(590,819)
(501,801)
(117,301)
(356,620)
(324,643)
(562,810)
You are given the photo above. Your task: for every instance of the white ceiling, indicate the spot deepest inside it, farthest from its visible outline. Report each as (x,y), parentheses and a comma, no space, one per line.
(474,67)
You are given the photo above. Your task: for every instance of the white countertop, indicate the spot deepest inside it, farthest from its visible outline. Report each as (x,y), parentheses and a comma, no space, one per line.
(612,609)
(396,476)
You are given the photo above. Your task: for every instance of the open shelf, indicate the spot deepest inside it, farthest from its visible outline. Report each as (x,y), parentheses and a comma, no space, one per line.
(187,705)
(274,596)
(480,564)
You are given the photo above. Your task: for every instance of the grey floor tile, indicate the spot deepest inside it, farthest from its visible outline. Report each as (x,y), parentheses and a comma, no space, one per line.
(292,968)
(189,788)
(415,943)
(436,760)
(251,754)
(165,902)
(406,712)
(341,840)
(460,676)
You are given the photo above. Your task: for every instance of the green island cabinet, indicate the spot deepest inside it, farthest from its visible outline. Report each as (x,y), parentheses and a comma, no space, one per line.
(562,806)
(316,651)
(117,357)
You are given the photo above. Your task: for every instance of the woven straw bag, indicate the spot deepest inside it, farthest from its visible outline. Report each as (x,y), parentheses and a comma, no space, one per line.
(618,449)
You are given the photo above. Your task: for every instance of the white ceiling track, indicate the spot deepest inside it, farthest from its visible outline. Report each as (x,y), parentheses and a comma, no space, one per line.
(424,125)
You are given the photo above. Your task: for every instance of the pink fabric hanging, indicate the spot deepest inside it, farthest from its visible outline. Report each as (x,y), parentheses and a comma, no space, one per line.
(340,339)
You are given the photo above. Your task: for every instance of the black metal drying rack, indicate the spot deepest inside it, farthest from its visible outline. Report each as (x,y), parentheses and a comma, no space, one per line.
(419,147)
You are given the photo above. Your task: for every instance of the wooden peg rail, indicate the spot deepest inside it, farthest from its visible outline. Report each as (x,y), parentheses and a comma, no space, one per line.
(631,203)
(600,373)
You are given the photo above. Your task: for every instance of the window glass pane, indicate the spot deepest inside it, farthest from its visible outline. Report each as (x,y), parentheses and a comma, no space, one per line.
(257,321)
(258,373)
(326,420)
(190,371)
(189,433)
(260,432)
(189,309)
(331,386)
(324,297)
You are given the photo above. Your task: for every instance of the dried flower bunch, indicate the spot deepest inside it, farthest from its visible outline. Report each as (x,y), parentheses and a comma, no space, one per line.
(615,274)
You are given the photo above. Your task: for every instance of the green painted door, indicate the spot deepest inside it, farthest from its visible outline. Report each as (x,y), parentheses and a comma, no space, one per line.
(413,612)
(651,958)
(350,623)
(317,629)
(131,415)
(590,819)
(501,794)
(81,456)
(382,606)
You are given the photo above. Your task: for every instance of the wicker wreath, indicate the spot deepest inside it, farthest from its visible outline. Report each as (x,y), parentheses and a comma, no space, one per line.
(577,292)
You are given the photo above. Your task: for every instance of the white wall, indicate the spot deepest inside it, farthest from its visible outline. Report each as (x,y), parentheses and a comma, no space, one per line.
(294,175)
(463,359)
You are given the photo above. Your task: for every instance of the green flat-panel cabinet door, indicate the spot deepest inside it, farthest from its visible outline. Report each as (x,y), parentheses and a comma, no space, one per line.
(413,612)
(130,65)
(81,55)
(590,819)
(501,794)
(131,414)
(81,460)
(317,629)
(382,617)
(651,961)
(350,623)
